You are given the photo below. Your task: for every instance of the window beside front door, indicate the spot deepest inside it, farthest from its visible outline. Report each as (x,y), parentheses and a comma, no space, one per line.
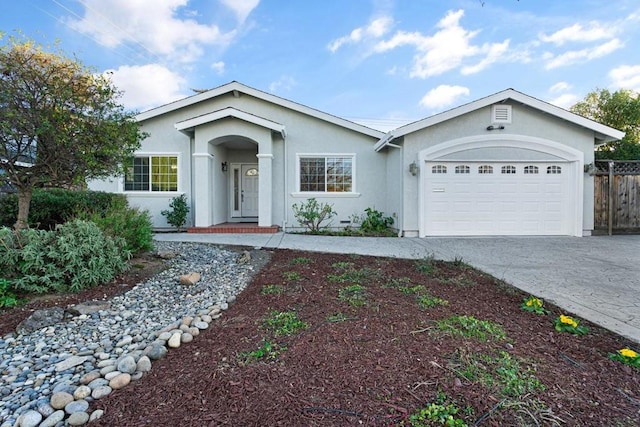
(152,173)
(326,173)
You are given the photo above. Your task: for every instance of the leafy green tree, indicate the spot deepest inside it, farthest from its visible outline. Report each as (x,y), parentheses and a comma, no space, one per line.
(60,122)
(620,110)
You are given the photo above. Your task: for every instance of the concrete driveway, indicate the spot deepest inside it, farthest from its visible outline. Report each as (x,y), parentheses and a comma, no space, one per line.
(596,278)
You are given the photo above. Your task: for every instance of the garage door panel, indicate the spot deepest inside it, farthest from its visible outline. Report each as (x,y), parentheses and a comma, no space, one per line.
(497,203)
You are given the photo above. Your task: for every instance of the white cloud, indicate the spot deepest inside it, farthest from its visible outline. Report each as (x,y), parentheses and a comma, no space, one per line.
(560,87)
(218,67)
(443,96)
(376,29)
(565,101)
(495,52)
(147,86)
(446,49)
(626,77)
(150,26)
(241,8)
(283,84)
(583,55)
(577,33)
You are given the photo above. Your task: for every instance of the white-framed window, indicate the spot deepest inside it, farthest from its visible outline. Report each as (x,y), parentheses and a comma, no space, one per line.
(485,169)
(508,170)
(438,169)
(530,170)
(463,169)
(326,173)
(152,173)
(554,170)
(501,113)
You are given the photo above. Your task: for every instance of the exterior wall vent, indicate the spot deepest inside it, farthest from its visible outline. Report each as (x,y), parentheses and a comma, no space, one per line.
(501,114)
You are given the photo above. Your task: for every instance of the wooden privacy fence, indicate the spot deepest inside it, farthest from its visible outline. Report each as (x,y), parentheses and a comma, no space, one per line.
(617,195)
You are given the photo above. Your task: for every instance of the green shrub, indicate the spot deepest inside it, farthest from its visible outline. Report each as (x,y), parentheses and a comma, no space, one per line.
(74,256)
(311,214)
(177,215)
(131,224)
(56,206)
(375,221)
(7,296)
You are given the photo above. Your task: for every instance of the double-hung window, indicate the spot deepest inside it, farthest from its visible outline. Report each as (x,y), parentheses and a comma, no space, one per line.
(326,174)
(152,173)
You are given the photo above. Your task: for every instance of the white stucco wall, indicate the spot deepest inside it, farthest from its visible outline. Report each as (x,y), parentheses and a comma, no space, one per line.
(304,134)
(525,121)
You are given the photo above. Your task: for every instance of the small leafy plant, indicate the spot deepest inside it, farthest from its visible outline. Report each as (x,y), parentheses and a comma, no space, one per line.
(507,374)
(470,327)
(569,324)
(337,318)
(272,289)
(311,214)
(268,350)
(284,323)
(428,301)
(626,356)
(177,214)
(301,260)
(438,413)
(375,221)
(533,305)
(291,275)
(343,265)
(426,265)
(355,295)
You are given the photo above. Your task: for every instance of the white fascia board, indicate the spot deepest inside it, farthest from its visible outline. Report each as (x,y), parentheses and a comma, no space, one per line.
(230,112)
(238,88)
(603,132)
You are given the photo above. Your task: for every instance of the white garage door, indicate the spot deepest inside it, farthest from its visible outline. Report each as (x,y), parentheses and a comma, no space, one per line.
(497,198)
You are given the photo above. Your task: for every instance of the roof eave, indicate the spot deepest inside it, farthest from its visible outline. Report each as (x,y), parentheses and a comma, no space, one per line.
(238,88)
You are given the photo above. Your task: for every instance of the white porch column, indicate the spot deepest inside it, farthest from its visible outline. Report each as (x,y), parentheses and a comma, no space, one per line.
(203,180)
(265,189)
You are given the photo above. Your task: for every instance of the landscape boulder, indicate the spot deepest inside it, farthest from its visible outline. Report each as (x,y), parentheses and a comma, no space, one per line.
(40,319)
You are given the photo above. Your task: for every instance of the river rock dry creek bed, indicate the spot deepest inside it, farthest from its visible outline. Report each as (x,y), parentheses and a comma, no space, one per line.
(371,347)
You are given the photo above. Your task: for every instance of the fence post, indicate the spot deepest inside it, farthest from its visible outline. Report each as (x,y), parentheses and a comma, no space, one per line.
(610,199)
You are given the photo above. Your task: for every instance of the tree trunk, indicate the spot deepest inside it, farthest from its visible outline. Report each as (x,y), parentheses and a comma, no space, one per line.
(24,203)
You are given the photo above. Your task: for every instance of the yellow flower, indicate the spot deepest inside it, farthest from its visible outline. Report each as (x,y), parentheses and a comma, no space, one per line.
(529,303)
(568,320)
(627,352)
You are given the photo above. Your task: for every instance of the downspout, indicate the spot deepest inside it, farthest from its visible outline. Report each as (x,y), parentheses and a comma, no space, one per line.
(285,186)
(401,210)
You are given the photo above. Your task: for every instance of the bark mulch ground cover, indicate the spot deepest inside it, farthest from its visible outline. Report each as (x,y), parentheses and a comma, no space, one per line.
(340,340)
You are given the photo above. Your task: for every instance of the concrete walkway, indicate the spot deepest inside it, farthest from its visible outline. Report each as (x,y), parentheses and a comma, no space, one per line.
(595,278)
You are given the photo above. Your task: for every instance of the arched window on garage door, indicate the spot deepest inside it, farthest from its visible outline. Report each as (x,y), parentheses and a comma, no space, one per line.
(463,169)
(438,169)
(508,169)
(530,170)
(485,169)
(554,170)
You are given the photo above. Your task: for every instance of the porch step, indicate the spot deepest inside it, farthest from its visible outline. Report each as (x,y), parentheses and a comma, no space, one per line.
(234,228)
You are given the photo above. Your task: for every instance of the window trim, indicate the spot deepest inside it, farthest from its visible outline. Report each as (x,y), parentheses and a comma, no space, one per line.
(148,192)
(352,193)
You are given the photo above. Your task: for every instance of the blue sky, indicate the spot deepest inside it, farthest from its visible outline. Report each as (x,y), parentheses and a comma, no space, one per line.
(380,62)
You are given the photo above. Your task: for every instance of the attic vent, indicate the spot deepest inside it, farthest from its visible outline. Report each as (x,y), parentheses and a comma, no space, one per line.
(501,114)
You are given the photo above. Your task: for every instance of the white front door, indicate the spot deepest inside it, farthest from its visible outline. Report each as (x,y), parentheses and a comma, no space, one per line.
(249,190)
